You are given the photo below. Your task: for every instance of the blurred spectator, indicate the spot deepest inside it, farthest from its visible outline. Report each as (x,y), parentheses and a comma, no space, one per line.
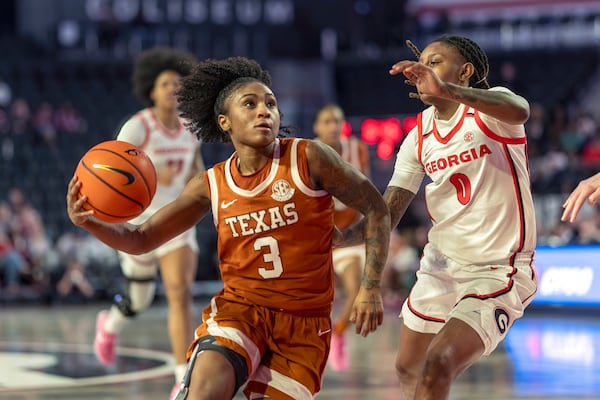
(43,124)
(4,123)
(29,235)
(562,234)
(570,139)
(558,123)
(7,147)
(546,171)
(590,155)
(585,124)
(20,116)
(67,119)
(588,232)
(12,263)
(78,250)
(536,130)
(399,274)
(5,93)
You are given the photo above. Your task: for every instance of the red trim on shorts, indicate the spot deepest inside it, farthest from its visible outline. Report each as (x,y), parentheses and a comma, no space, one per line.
(422,316)
(497,293)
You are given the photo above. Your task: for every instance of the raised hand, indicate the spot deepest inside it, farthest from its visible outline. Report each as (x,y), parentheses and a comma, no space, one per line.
(422,77)
(588,189)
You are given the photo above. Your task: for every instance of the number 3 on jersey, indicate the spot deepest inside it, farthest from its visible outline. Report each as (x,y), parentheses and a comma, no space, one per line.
(270,257)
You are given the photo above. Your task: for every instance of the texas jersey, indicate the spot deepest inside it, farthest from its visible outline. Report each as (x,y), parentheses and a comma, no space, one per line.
(355,153)
(176,149)
(479,198)
(274,231)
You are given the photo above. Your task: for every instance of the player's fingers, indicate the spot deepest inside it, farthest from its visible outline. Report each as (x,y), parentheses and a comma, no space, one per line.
(352,317)
(565,214)
(73,185)
(576,206)
(593,198)
(358,324)
(399,67)
(371,326)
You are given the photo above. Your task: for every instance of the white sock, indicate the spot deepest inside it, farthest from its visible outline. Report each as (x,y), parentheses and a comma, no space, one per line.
(115,321)
(180,372)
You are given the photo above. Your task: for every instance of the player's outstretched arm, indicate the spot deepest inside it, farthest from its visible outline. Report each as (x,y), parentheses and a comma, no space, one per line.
(346,183)
(588,189)
(397,199)
(168,222)
(502,105)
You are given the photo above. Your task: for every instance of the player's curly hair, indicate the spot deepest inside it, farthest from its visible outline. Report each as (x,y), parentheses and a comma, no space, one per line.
(151,63)
(471,51)
(203,93)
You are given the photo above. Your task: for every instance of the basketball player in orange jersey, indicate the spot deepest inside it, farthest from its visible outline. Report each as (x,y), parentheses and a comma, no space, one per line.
(476,275)
(272,204)
(587,190)
(160,132)
(348,262)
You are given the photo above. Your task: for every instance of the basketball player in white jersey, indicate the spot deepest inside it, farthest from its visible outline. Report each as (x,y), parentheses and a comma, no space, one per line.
(174,151)
(476,276)
(348,262)
(587,190)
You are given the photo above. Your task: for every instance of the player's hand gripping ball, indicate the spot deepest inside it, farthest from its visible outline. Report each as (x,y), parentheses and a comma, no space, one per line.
(118,179)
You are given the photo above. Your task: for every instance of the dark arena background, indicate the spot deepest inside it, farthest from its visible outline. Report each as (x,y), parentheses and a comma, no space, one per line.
(65,85)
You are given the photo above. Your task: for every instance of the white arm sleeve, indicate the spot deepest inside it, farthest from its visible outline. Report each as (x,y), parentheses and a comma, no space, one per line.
(133,131)
(408,171)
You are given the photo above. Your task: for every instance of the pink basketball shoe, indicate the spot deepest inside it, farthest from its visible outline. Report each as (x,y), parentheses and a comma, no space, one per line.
(175,390)
(104,343)
(338,357)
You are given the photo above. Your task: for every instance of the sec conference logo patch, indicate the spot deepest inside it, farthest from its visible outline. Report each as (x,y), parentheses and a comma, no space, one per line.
(282,190)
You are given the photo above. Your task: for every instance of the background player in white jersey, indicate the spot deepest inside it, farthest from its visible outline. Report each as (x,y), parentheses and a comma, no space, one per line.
(160,132)
(476,275)
(587,190)
(348,262)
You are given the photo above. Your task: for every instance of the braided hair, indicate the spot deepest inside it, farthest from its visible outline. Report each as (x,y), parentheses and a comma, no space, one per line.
(151,63)
(203,93)
(471,51)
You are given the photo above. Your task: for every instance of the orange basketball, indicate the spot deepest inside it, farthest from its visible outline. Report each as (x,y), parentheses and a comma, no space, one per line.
(118,179)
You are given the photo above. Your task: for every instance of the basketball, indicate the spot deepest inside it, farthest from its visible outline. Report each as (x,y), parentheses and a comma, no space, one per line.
(118,179)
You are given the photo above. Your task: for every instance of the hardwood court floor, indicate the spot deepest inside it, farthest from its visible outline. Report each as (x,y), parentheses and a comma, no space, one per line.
(46,353)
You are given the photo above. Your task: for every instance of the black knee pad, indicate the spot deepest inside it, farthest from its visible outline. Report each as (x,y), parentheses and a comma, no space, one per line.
(236,360)
(123,303)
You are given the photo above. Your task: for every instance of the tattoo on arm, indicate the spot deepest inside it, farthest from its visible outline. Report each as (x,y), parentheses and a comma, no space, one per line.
(398,200)
(475,96)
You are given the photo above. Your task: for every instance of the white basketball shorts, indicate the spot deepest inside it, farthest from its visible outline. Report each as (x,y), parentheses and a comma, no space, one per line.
(489,298)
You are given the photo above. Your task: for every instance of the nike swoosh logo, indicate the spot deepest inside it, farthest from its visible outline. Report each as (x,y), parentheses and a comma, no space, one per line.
(225,205)
(321,333)
(126,174)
